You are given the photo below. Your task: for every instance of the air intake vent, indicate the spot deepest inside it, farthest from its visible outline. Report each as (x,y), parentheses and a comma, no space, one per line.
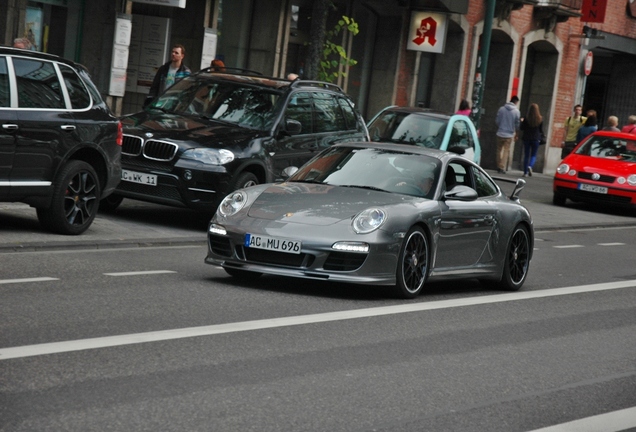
(131,145)
(160,150)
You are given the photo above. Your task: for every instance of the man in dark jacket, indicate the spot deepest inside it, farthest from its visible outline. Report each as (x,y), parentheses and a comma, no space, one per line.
(169,73)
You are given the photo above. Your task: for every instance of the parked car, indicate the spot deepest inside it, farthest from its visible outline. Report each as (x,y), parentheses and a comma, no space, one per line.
(427,128)
(60,146)
(601,169)
(377,214)
(213,133)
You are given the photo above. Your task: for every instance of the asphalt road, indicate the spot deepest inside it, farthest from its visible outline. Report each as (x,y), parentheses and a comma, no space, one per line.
(153,339)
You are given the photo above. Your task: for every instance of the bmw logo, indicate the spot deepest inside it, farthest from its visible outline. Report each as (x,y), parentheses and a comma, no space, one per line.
(148,135)
(596,176)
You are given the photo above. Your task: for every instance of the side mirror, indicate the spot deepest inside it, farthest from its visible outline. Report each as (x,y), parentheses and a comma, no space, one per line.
(293,127)
(461,193)
(288,172)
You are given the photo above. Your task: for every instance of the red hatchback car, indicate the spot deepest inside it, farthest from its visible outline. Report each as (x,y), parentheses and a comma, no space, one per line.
(601,169)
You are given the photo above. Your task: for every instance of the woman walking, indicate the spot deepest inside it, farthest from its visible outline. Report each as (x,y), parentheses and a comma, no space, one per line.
(532,128)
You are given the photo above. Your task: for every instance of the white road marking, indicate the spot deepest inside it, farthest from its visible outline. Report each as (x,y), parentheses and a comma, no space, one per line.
(137,273)
(614,421)
(568,246)
(25,280)
(111,341)
(611,244)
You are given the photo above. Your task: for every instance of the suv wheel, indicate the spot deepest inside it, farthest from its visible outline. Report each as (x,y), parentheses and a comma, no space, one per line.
(111,202)
(244,180)
(76,194)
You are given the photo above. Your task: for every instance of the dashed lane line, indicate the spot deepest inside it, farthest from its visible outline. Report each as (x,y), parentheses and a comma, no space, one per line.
(26,280)
(137,273)
(614,421)
(181,333)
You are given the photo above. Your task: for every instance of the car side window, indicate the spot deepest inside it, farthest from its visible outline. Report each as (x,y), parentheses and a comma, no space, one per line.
(38,84)
(461,136)
(349,115)
(5,96)
(483,185)
(78,94)
(299,109)
(328,116)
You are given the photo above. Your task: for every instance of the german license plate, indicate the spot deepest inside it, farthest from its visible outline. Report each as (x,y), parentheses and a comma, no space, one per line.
(593,188)
(272,243)
(137,177)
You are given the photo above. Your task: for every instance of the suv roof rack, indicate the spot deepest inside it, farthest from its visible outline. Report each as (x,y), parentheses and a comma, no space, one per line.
(310,83)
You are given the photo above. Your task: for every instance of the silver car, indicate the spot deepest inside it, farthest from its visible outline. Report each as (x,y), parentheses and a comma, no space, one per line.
(377,214)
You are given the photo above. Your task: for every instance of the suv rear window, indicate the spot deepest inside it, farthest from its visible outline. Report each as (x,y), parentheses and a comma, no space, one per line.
(80,98)
(5,98)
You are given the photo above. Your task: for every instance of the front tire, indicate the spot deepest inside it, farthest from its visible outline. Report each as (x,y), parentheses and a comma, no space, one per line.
(412,264)
(111,202)
(517,260)
(558,199)
(76,194)
(244,180)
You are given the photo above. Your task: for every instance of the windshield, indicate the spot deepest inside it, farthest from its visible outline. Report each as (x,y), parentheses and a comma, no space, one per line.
(235,103)
(609,148)
(377,169)
(408,128)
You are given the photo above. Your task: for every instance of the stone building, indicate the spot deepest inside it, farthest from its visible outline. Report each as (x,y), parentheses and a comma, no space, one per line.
(539,50)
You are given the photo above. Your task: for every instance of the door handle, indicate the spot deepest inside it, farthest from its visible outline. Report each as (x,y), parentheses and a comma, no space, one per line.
(68,128)
(10,127)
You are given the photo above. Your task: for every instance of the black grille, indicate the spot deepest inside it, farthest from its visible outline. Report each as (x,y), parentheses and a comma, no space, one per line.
(131,145)
(220,245)
(344,261)
(603,178)
(156,191)
(278,258)
(575,194)
(160,150)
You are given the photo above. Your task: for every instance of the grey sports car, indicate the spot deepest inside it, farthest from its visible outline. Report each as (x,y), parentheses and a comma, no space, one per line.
(377,214)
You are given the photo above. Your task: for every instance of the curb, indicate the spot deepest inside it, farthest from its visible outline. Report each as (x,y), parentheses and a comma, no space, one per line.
(100,244)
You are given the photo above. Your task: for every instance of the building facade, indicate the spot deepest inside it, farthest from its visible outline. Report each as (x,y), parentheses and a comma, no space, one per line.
(556,53)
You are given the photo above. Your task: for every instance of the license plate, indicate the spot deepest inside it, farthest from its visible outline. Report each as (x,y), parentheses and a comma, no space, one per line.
(137,177)
(272,243)
(592,188)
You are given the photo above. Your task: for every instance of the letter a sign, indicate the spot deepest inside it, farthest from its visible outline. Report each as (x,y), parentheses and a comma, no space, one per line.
(427,32)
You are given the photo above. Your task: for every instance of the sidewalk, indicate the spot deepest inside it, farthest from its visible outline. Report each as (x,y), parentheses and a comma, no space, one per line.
(139,224)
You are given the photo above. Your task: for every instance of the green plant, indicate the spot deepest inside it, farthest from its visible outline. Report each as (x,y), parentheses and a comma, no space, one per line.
(334,55)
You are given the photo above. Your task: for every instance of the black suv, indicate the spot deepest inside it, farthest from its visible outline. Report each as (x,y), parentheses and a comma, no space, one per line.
(60,146)
(215,132)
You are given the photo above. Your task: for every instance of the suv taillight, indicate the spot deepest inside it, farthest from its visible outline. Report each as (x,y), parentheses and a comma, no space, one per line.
(120,134)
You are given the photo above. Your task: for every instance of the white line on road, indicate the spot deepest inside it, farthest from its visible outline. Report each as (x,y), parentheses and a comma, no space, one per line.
(137,273)
(567,246)
(609,422)
(111,341)
(39,279)
(611,244)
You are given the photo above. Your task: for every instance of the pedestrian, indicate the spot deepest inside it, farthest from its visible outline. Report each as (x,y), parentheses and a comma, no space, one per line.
(217,65)
(572,126)
(590,126)
(630,127)
(464,108)
(508,122)
(532,128)
(612,124)
(22,43)
(169,73)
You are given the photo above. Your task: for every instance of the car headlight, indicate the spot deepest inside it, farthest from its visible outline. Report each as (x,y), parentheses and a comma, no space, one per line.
(209,156)
(368,220)
(563,168)
(631,180)
(232,203)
